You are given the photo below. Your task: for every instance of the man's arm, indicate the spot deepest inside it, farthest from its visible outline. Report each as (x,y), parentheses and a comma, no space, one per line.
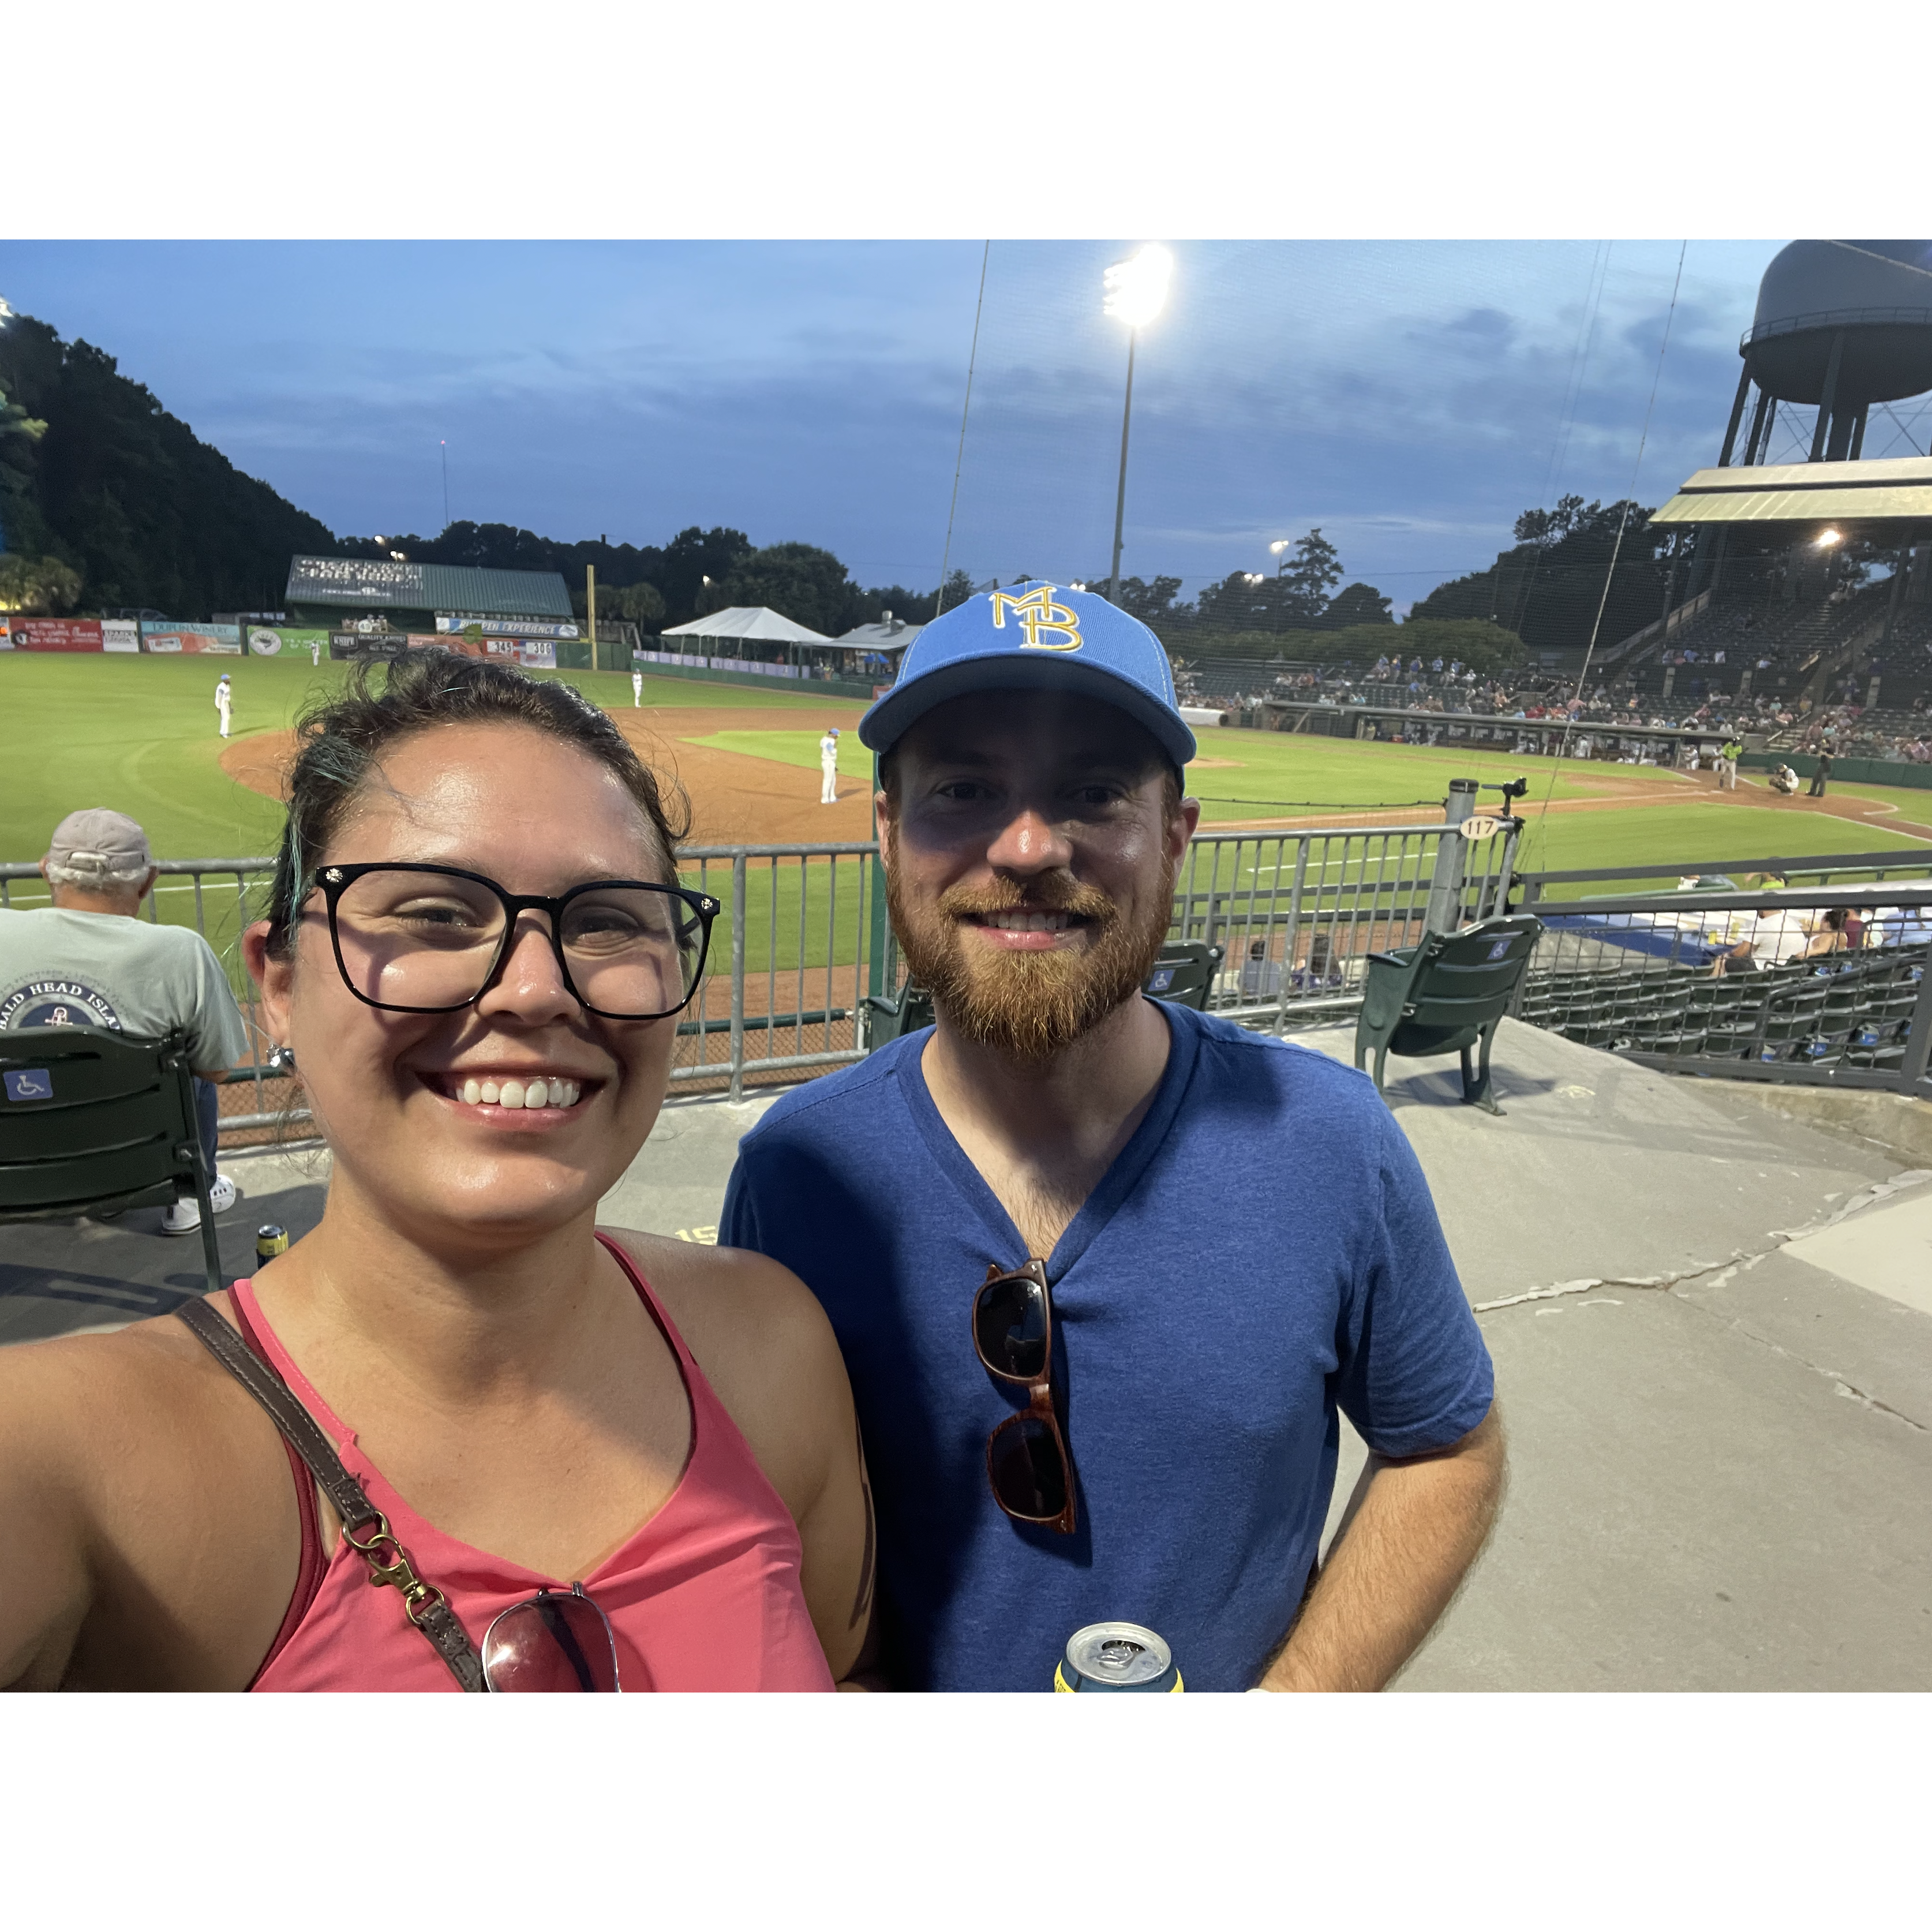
(1406,1546)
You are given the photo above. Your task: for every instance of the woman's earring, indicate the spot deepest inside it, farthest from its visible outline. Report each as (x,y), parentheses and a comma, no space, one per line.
(282,1059)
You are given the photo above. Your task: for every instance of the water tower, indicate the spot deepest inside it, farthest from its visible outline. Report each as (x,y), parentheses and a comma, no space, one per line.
(1840,326)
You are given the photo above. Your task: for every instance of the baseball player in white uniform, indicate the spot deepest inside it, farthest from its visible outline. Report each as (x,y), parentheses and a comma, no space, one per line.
(224,697)
(636,691)
(828,767)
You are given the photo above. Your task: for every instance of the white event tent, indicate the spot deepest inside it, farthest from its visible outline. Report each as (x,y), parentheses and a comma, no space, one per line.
(748,637)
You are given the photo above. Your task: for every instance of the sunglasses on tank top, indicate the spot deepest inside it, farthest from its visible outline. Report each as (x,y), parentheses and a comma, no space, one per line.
(557,1640)
(1026,1462)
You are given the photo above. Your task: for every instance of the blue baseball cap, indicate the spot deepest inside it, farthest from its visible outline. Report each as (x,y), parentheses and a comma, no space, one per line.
(1034,637)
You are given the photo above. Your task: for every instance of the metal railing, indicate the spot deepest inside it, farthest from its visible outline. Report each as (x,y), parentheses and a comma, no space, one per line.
(1746,986)
(800,945)
(793,937)
(1843,867)
(1299,912)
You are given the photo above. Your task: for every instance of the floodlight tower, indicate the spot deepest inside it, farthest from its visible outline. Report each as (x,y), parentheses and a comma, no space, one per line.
(1136,293)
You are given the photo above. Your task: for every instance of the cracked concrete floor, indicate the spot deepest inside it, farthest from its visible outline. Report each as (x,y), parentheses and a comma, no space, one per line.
(1721,1475)
(1720,1465)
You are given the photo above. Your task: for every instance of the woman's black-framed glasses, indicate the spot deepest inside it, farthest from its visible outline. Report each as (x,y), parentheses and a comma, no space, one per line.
(1026,1462)
(557,1640)
(431,939)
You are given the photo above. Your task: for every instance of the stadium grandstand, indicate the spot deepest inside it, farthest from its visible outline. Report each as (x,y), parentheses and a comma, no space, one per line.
(1810,584)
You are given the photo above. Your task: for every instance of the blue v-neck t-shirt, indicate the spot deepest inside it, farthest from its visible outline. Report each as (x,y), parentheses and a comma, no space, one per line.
(1263,1252)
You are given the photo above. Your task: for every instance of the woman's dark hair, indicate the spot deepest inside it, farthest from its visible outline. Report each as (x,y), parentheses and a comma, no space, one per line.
(341,740)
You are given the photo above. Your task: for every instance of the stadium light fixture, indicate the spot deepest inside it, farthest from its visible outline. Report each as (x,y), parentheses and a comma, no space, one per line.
(1136,291)
(6,312)
(1826,538)
(1137,288)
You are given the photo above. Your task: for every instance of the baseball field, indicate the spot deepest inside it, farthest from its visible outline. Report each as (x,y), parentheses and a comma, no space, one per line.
(139,734)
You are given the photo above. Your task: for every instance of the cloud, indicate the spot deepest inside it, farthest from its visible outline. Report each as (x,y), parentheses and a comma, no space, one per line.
(1410,398)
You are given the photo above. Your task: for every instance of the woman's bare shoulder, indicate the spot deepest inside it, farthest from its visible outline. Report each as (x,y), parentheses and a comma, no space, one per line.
(84,1398)
(765,1346)
(707,1286)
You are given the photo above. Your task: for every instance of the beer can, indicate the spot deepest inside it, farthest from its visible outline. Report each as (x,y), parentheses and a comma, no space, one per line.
(269,1242)
(1117,1657)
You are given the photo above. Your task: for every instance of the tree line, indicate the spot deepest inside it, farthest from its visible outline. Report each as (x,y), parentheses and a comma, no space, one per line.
(697,572)
(107,499)
(107,502)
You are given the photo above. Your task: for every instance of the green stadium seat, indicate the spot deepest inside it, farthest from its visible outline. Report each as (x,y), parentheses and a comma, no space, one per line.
(90,1120)
(907,1011)
(1446,995)
(1184,974)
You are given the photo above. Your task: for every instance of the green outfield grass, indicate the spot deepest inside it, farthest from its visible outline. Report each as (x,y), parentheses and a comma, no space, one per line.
(1690,834)
(1249,774)
(138,734)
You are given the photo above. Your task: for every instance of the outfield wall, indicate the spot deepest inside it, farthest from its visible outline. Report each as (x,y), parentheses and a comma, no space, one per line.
(662,665)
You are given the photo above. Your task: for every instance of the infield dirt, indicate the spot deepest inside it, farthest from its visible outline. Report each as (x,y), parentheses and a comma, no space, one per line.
(735,799)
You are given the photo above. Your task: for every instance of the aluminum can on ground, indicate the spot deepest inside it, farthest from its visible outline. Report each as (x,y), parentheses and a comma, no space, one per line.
(270,1241)
(1117,1657)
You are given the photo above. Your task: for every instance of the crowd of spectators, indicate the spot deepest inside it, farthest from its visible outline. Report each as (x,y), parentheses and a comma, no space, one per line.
(1706,697)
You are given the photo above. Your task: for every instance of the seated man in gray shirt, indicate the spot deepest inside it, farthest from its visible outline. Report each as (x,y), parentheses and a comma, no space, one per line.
(90,959)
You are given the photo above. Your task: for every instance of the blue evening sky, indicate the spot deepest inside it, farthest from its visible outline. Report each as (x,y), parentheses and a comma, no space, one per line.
(1410,398)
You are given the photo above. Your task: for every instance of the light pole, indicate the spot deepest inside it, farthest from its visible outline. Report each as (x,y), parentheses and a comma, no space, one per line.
(1136,293)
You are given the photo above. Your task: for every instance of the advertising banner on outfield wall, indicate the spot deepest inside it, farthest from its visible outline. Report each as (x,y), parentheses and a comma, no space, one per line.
(120,633)
(280,640)
(505,627)
(532,653)
(166,639)
(56,633)
(6,634)
(353,644)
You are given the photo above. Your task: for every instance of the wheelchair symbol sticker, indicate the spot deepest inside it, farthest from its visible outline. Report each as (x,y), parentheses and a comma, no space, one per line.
(1500,950)
(32,1083)
(1161,980)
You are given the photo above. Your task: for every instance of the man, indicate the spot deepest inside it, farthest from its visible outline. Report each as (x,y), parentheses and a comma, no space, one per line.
(1784,781)
(1235,1237)
(1823,771)
(224,698)
(1728,753)
(636,691)
(90,959)
(315,652)
(828,767)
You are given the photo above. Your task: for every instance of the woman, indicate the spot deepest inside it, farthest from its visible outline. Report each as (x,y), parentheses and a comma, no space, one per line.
(1835,931)
(602,1459)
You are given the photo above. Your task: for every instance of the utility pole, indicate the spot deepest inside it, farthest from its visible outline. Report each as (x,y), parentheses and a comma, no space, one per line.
(590,602)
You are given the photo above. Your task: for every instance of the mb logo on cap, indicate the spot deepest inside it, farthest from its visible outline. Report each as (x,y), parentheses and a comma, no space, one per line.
(1035,612)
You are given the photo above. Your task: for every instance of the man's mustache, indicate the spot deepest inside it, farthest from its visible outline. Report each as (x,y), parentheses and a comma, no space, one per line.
(1050,892)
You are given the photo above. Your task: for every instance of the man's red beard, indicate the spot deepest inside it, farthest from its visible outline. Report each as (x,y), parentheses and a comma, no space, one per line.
(1029,1005)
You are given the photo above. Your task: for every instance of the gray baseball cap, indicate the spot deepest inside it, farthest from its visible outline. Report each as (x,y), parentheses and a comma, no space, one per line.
(100,841)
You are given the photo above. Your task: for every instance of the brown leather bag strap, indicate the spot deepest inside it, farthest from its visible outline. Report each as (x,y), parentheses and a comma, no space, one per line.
(364,1527)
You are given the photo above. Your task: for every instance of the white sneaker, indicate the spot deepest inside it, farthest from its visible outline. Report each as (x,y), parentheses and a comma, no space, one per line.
(184,1217)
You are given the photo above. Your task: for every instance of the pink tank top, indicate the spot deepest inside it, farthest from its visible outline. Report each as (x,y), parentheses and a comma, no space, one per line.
(705,1596)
